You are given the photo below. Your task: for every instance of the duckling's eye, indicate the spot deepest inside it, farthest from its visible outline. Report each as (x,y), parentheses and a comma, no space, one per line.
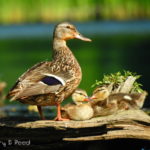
(68,27)
(82,94)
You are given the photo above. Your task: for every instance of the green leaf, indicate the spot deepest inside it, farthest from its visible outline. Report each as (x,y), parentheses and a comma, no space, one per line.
(118,78)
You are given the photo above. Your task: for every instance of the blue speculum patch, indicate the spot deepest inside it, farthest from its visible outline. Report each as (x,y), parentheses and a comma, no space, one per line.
(50,80)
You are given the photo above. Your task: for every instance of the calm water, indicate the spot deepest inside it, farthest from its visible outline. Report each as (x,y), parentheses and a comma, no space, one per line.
(92,28)
(116,46)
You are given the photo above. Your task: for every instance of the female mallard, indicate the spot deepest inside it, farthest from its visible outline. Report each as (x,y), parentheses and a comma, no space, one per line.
(79,110)
(49,83)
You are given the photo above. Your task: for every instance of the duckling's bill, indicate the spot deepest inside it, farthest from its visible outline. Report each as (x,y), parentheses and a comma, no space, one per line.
(87,99)
(92,97)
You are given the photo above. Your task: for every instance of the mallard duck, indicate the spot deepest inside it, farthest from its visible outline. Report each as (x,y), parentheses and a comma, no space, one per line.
(49,83)
(79,110)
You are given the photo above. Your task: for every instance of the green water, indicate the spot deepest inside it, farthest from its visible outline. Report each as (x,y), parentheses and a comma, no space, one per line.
(105,54)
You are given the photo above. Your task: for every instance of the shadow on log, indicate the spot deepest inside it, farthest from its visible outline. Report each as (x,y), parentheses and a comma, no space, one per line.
(130,124)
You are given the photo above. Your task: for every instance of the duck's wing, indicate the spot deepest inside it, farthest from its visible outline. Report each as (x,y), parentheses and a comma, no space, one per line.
(37,80)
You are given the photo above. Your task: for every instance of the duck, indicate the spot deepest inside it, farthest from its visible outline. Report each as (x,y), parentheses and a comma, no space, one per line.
(80,109)
(79,96)
(2,87)
(100,102)
(2,95)
(126,101)
(100,93)
(114,102)
(105,109)
(49,83)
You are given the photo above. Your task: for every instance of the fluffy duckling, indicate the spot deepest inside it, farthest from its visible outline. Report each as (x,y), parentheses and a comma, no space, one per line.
(79,110)
(2,95)
(118,102)
(129,101)
(100,94)
(101,104)
(105,109)
(2,86)
(79,96)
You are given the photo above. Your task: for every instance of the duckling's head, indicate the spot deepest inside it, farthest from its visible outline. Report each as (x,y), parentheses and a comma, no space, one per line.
(2,85)
(79,96)
(66,31)
(100,93)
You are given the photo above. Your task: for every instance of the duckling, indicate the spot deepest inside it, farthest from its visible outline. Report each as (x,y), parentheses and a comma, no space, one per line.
(105,109)
(2,86)
(118,102)
(49,83)
(100,93)
(79,96)
(2,95)
(139,98)
(79,110)
(101,104)
(129,101)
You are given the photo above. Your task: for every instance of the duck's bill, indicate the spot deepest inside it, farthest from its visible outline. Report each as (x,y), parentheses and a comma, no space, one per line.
(81,37)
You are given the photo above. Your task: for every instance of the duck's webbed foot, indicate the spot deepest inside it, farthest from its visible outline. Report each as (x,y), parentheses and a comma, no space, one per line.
(59,117)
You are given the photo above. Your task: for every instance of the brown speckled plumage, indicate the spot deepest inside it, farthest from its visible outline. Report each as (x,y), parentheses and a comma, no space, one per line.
(64,71)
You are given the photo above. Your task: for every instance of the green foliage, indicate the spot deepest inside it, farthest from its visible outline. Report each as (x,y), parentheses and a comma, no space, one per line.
(20,11)
(137,87)
(118,78)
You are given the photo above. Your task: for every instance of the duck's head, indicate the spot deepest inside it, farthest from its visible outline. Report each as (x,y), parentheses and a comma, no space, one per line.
(79,96)
(100,93)
(66,31)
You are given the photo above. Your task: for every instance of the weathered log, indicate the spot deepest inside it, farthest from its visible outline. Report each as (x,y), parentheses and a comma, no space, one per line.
(128,84)
(114,126)
(129,124)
